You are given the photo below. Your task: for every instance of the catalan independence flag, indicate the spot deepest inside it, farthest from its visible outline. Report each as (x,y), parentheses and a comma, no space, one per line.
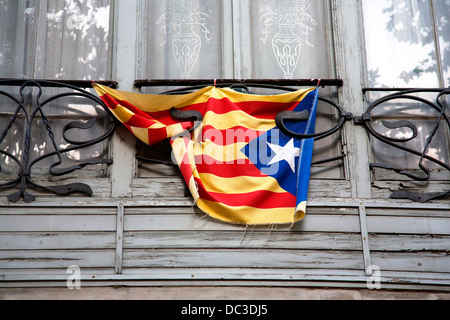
(239,166)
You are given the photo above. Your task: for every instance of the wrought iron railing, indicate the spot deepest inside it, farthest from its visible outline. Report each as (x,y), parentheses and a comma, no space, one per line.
(438,105)
(32,107)
(35,107)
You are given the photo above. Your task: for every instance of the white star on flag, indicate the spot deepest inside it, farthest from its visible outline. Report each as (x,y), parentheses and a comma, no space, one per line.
(287,153)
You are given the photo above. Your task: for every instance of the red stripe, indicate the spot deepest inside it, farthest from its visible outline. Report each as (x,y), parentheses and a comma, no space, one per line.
(207,164)
(109,101)
(185,168)
(156,135)
(264,109)
(262,199)
(259,109)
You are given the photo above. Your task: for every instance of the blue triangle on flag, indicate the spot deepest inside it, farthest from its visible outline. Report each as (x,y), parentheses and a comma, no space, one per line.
(277,155)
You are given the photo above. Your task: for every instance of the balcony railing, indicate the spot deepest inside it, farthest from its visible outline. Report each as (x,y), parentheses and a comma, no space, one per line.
(29,105)
(433,108)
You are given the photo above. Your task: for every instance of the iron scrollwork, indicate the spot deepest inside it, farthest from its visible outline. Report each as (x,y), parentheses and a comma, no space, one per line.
(439,105)
(35,108)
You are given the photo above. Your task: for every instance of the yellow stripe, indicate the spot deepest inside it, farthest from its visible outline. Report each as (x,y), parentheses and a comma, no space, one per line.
(179,150)
(249,215)
(155,102)
(237,118)
(231,152)
(234,185)
(235,96)
(140,133)
(174,129)
(122,113)
(157,125)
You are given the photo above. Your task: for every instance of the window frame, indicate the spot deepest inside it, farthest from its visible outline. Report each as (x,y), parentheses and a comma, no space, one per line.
(238,35)
(350,66)
(385,182)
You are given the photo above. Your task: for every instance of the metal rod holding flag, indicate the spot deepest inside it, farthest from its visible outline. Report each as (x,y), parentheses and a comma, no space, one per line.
(141,83)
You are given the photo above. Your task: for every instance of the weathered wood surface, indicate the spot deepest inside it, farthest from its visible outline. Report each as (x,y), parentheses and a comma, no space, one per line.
(167,238)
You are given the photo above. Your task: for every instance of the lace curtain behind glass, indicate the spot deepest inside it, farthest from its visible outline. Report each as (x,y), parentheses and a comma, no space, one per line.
(408,46)
(55,39)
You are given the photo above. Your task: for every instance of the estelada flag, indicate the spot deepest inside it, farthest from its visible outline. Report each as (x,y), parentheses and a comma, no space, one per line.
(239,166)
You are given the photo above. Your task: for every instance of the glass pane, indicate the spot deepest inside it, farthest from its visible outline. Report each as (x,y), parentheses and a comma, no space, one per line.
(400,43)
(183,39)
(55,39)
(289,39)
(13,35)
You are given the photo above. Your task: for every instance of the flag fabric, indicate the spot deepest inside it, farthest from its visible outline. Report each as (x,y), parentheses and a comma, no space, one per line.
(238,165)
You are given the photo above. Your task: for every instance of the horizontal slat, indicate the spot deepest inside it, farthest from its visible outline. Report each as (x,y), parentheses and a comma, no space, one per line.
(285,277)
(86,202)
(186,273)
(240,240)
(208,239)
(324,223)
(400,211)
(245,258)
(172,187)
(400,242)
(57,240)
(157,258)
(22,223)
(56,259)
(166,187)
(58,211)
(191,210)
(412,261)
(374,206)
(408,225)
(169,222)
